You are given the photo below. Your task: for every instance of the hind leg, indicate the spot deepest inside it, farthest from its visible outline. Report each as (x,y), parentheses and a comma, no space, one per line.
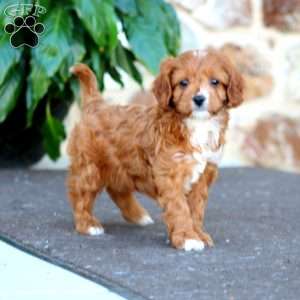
(131,210)
(83,188)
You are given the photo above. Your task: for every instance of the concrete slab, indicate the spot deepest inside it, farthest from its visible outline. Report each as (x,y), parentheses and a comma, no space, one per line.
(253,216)
(25,277)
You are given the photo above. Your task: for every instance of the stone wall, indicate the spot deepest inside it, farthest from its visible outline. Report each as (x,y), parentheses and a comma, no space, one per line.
(262,37)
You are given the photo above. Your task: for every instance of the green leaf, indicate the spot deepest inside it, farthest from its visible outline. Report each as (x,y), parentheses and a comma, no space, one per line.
(53,134)
(126,6)
(100,20)
(55,43)
(153,33)
(4,19)
(37,87)
(9,92)
(47,57)
(58,83)
(116,76)
(45,3)
(98,66)
(125,60)
(76,54)
(9,56)
(142,38)
(75,89)
(171,29)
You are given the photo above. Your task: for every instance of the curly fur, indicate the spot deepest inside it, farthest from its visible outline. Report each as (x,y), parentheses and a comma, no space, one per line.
(150,148)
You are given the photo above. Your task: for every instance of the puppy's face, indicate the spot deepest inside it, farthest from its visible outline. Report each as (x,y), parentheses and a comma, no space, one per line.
(198,83)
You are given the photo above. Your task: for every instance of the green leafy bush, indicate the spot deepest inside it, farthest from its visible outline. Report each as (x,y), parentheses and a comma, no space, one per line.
(36,81)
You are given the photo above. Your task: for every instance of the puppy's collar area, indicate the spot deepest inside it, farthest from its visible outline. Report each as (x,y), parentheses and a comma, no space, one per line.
(205,131)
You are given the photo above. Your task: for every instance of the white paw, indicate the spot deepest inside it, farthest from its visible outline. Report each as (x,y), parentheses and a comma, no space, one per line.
(93,230)
(145,220)
(193,245)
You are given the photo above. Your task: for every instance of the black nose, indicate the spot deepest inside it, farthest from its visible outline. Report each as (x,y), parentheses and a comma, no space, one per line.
(199,99)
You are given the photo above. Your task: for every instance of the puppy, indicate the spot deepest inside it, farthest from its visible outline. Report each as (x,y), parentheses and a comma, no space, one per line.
(169,150)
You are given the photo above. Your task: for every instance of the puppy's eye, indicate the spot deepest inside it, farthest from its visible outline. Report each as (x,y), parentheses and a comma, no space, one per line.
(184,83)
(214,82)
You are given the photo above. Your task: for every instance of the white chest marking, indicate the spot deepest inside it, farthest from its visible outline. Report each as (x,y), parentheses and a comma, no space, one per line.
(197,170)
(205,135)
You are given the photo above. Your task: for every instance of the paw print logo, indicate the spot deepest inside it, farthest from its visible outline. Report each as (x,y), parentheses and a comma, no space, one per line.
(24,28)
(24,31)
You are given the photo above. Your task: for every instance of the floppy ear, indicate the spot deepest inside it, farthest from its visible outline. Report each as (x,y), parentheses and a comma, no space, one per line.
(162,88)
(235,89)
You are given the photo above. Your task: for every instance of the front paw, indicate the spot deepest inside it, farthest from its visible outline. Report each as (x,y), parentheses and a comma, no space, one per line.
(206,238)
(187,242)
(195,245)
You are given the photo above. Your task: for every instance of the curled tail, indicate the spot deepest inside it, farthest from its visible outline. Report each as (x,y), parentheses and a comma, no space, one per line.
(88,83)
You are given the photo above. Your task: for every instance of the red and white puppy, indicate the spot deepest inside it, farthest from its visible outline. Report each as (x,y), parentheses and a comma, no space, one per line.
(168,150)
